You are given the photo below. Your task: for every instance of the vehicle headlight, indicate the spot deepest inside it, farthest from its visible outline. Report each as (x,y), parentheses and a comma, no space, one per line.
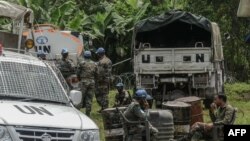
(4,134)
(90,135)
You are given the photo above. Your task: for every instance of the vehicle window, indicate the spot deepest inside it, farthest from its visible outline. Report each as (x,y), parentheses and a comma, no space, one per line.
(30,81)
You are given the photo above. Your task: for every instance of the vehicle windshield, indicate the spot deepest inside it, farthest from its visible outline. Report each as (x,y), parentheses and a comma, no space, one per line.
(23,80)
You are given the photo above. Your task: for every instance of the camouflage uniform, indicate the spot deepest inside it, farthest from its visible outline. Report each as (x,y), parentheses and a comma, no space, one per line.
(122,99)
(135,113)
(221,116)
(66,67)
(87,72)
(102,85)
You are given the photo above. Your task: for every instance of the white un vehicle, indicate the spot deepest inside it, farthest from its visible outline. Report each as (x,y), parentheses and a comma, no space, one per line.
(34,104)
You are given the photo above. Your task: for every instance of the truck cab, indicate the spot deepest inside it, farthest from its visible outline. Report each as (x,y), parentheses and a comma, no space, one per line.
(178,54)
(35,106)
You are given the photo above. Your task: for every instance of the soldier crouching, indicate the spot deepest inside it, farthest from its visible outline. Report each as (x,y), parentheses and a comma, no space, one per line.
(122,98)
(136,112)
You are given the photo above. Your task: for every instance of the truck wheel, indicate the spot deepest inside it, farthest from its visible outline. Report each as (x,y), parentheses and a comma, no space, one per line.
(207,102)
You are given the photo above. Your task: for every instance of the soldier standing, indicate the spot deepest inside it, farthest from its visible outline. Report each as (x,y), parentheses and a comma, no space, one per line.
(86,73)
(66,66)
(122,98)
(136,112)
(104,76)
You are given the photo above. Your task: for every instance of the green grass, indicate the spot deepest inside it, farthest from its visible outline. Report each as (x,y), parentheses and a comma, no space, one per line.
(97,117)
(234,92)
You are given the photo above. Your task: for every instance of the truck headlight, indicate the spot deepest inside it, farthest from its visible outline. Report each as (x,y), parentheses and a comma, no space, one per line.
(90,135)
(4,134)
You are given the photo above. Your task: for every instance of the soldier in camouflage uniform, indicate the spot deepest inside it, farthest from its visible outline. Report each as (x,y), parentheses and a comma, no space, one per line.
(122,98)
(86,73)
(220,113)
(66,66)
(104,76)
(135,112)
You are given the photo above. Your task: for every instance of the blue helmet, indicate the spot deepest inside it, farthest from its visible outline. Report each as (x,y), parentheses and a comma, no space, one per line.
(87,54)
(141,93)
(64,51)
(100,50)
(149,97)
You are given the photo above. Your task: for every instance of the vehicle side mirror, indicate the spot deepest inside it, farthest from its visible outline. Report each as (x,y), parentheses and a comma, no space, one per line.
(75,97)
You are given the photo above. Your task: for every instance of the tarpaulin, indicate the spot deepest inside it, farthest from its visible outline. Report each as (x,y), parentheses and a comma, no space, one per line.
(167,18)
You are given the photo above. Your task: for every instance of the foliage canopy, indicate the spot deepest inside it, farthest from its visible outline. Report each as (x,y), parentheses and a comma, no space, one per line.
(110,23)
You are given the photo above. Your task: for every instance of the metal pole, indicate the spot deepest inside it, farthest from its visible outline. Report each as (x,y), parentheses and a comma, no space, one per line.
(20,34)
(147,127)
(121,62)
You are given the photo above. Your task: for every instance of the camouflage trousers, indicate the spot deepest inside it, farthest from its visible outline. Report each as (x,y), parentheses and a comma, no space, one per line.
(88,90)
(101,95)
(199,130)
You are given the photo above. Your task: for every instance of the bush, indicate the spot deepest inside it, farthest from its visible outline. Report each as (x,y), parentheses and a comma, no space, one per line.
(237,90)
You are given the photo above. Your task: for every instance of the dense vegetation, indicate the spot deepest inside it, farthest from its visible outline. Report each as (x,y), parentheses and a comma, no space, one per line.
(110,24)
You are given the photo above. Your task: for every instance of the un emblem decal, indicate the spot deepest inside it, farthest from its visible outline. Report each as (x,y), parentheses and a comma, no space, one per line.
(46,137)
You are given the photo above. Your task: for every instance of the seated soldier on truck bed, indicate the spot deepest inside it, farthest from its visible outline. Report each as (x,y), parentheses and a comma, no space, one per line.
(220,113)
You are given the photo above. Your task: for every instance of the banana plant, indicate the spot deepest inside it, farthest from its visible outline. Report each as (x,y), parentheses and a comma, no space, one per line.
(56,12)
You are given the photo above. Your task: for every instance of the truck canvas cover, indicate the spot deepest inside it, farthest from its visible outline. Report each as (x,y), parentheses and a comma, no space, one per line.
(12,11)
(179,29)
(167,18)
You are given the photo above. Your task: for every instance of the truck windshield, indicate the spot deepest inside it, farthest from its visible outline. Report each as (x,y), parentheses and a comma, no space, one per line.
(24,80)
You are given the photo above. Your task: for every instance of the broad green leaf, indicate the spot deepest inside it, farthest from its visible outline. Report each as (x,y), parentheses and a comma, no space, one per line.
(132,3)
(55,16)
(141,12)
(120,51)
(67,8)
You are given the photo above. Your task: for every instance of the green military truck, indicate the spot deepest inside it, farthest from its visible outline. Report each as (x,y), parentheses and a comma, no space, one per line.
(178,54)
